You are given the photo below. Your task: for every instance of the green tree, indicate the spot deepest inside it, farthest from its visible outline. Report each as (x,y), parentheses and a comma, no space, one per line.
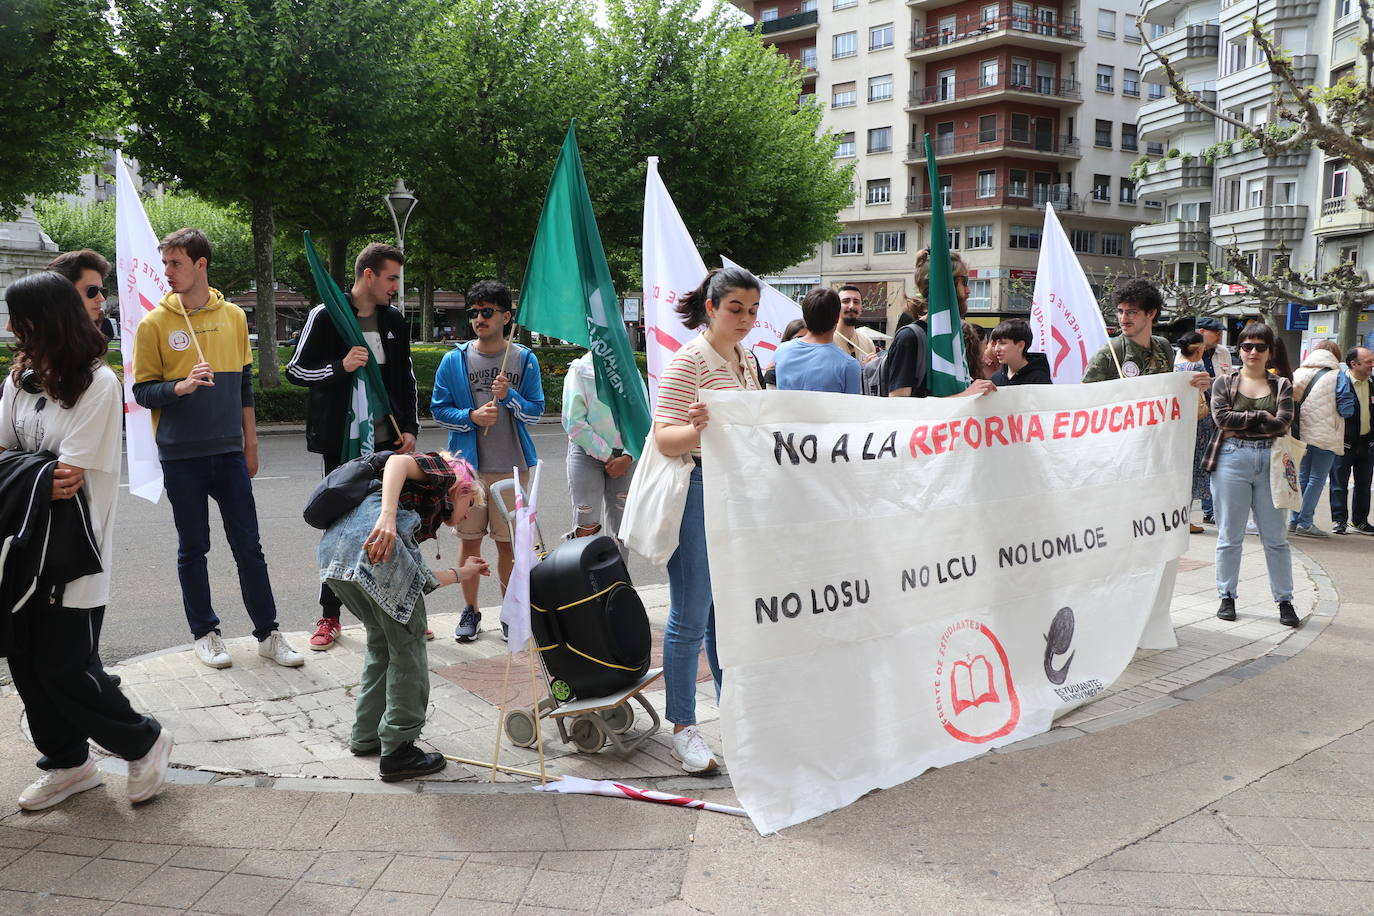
(280,107)
(59,97)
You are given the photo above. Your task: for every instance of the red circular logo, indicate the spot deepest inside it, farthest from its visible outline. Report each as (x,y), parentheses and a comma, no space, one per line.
(974,694)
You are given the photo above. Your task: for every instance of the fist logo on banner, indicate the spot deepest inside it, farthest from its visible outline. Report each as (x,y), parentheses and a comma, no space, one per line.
(974,694)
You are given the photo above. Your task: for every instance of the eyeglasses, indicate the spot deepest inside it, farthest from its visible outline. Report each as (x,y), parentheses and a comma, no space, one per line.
(1251,346)
(474,314)
(1128,313)
(93,291)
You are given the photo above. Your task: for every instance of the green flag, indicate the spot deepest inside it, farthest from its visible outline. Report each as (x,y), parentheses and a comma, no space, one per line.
(947,372)
(370,401)
(568,294)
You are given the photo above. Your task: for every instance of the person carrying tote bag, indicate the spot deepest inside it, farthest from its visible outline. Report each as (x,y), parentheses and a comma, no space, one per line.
(1251,409)
(653,507)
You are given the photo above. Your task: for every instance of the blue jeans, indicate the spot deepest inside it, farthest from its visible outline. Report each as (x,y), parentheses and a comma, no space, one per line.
(691,612)
(1316,464)
(1240,488)
(191,483)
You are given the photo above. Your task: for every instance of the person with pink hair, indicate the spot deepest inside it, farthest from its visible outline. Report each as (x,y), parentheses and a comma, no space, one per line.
(370,558)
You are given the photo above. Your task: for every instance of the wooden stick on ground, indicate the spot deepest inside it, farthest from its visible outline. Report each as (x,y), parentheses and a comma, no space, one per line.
(534,709)
(501,720)
(486,766)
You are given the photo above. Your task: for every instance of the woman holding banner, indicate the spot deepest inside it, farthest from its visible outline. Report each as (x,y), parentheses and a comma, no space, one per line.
(724,307)
(1251,409)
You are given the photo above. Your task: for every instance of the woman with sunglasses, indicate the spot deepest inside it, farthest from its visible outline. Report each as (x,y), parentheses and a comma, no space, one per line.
(87,270)
(1251,408)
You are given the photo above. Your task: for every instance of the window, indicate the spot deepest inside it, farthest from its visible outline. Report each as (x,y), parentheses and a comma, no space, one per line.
(944,138)
(1106,74)
(1027,237)
(808,58)
(1106,23)
(893,242)
(1103,134)
(978,237)
(1021,16)
(1130,83)
(1083,241)
(1192,273)
(1128,138)
(1113,244)
(987,183)
(849,243)
(1345,9)
(987,74)
(990,14)
(1258,116)
(880,36)
(953,235)
(846,44)
(987,128)
(1154,204)
(1130,29)
(1254,192)
(880,88)
(1236,54)
(880,139)
(1156,90)
(980,295)
(846,147)
(1020,128)
(843,95)
(1020,72)
(1127,191)
(1102,188)
(768,15)
(1016,183)
(1154,149)
(879,191)
(1339,185)
(808,6)
(844,4)
(1285,193)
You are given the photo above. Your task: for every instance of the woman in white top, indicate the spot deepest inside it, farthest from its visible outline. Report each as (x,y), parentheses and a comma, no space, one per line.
(724,307)
(61,398)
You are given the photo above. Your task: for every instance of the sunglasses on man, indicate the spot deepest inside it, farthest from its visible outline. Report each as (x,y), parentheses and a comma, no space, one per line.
(93,291)
(474,314)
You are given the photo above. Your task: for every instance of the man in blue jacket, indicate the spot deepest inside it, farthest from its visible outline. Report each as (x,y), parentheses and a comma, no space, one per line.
(487,400)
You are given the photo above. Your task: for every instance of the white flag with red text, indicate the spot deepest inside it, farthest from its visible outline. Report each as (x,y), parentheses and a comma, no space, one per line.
(515,606)
(141,285)
(1065,319)
(672,268)
(776,311)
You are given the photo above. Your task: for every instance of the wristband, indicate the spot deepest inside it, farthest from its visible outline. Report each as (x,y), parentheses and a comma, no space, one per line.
(456,578)
(617,452)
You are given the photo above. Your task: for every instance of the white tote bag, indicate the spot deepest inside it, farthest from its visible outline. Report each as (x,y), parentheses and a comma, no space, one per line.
(653,508)
(1285,457)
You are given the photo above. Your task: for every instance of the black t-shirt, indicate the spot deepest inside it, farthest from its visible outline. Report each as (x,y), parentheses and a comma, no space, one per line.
(905,363)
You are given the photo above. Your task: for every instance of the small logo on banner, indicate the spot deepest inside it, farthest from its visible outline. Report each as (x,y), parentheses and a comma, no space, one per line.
(1057,642)
(974,694)
(179,340)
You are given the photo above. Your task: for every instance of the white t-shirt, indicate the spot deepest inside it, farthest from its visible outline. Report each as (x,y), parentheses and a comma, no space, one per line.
(86,436)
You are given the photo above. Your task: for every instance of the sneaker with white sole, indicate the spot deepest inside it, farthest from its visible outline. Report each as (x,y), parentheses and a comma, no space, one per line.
(56,786)
(279,650)
(147,773)
(1310,531)
(468,623)
(210,650)
(691,749)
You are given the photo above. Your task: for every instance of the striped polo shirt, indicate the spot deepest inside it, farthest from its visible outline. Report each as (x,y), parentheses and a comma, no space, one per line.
(698,367)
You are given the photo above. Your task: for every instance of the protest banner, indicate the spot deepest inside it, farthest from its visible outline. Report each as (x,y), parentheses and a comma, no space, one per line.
(1065,321)
(909,585)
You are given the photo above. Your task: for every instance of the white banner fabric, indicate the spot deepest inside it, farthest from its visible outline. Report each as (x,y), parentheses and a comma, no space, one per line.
(515,605)
(776,311)
(1065,319)
(141,284)
(902,584)
(672,268)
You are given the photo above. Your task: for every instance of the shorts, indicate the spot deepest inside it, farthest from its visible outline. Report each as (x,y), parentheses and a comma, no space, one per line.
(484,520)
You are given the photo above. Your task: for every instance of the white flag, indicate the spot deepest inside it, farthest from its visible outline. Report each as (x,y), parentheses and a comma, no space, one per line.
(515,606)
(1065,319)
(141,286)
(776,311)
(672,268)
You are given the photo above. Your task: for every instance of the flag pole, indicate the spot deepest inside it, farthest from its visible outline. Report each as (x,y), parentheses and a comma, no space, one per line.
(534,710)
(505,356)
(467,761)
(200,354)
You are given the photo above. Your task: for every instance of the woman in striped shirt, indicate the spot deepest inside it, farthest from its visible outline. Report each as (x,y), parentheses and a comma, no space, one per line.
(724,307)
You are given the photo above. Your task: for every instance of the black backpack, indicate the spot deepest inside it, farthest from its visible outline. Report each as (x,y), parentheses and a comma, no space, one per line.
(343,489)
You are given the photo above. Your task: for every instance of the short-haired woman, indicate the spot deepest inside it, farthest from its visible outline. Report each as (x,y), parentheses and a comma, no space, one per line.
(1251,409)
(61,398)
(724,307)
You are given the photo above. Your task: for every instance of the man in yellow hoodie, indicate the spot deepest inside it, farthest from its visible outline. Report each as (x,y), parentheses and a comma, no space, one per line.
(207,440)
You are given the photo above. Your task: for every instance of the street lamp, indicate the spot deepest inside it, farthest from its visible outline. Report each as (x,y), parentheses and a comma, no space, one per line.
(400,203)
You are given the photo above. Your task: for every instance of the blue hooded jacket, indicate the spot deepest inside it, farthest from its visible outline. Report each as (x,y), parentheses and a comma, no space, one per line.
(451,402)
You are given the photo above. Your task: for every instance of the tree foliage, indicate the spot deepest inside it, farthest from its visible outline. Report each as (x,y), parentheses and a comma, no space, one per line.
(59,96)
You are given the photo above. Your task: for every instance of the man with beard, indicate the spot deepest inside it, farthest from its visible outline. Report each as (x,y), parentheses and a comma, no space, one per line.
(847,336)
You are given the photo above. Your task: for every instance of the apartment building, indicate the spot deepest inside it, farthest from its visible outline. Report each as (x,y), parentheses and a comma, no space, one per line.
(1026,105)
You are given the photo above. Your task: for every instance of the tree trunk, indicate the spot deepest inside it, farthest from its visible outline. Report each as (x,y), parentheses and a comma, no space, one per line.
(338,253)
(1349,313)
(265,314)
(426,309)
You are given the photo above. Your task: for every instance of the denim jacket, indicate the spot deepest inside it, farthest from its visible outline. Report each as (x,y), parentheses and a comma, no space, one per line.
(395,584)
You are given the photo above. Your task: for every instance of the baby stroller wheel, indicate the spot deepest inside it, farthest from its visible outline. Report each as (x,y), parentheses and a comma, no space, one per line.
(520,728)
(619,719)
(588,733)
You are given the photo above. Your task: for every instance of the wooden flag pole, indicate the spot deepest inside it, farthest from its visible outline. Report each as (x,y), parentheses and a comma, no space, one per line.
(486,766)
(200,354)
(501,720)
(505,356)
(534,710)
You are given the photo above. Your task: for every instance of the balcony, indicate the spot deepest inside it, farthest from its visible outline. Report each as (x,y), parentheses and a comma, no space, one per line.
(1185,45)
(1164,118)
(1269,13)
(1161,241)
(787,28)
(1251,162)
(973,31)
(946,96)
(1342,216)
(1255,84)
(1168,176)
(1262,227)
(931,4)
(1018,196)
(976,144)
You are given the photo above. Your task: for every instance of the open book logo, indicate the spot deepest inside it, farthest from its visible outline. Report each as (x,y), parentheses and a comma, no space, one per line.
(975,697)
(970,684)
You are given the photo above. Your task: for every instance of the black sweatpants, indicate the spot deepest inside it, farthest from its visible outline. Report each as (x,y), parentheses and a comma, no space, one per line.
(67,696)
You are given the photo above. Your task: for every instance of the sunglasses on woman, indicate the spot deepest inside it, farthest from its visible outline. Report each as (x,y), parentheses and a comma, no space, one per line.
(474,314)
(1251,346)
(93,291)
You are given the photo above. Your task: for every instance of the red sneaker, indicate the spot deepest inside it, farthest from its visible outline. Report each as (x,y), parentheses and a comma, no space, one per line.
(326,631)
(429,635)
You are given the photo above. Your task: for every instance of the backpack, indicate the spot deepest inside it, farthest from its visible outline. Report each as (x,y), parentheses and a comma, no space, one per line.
(343,489)
(872,376)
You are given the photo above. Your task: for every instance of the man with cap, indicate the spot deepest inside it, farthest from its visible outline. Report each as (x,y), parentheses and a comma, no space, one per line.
(1216,359)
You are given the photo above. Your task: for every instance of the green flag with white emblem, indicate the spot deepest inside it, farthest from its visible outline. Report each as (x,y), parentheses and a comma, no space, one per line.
(568,294)
(948,370)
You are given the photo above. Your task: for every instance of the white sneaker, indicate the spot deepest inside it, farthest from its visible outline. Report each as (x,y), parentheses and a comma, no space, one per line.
(56,786)
(210,650)
(147,773)
(279,650)
(692,750)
